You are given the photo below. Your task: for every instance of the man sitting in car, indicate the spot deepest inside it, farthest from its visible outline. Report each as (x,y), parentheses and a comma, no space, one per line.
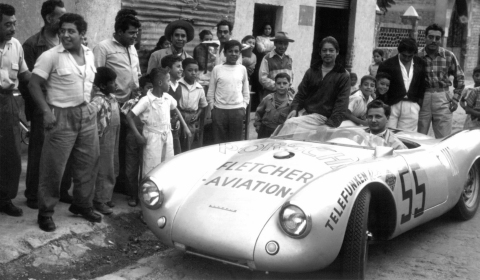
(378,114)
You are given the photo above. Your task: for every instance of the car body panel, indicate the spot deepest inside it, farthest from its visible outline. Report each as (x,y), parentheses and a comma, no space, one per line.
(228,205)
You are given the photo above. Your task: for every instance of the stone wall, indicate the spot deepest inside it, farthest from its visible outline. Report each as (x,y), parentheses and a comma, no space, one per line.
(473,40)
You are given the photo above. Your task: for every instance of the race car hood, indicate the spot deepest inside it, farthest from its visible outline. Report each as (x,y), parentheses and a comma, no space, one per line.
(226,209)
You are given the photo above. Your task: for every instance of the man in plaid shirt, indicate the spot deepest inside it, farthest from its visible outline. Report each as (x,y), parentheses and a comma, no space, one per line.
(438,103)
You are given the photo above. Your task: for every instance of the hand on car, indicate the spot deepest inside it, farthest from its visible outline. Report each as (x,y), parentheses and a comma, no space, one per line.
(292,114)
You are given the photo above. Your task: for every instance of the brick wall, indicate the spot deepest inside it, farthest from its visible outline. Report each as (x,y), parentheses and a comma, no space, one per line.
(473,40)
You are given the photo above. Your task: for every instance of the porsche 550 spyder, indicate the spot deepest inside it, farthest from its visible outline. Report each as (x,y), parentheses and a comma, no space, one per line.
(299,200)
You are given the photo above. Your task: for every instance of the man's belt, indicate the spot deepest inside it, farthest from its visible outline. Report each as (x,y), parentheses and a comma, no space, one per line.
(191,111)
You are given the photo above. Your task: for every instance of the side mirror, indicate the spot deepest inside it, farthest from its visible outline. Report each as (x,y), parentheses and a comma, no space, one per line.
(381,151)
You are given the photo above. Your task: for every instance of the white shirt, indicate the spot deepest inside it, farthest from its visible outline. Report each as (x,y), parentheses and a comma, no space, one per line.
(407,77)
(125,63)
(12,63)
(68,84)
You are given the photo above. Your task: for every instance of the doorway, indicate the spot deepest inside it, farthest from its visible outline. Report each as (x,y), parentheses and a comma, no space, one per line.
(262,14)
(331,22)
(458,31)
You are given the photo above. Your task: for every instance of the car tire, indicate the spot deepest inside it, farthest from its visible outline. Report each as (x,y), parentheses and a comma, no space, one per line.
(354,250)
(468,203)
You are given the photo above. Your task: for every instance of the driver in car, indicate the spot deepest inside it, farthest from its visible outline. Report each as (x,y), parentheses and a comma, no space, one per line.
(378,114)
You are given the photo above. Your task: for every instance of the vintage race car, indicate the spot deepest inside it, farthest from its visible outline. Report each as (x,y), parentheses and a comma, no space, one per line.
(306,196)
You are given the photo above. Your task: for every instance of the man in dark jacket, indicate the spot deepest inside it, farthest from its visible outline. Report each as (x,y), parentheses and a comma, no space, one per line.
(407,85)
(323,92)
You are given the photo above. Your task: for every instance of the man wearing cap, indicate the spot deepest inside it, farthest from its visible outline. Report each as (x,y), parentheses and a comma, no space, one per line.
(275,62)
(179,33)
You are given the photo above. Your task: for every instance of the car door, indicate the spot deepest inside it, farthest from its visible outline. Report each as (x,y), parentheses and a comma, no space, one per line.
(423,187)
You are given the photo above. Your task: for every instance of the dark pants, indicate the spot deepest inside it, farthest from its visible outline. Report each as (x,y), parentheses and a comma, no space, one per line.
(133,156)
(227,124)
(265,132)
(177,148)
(10,160)
(75,136)
(35,145)
(108,166)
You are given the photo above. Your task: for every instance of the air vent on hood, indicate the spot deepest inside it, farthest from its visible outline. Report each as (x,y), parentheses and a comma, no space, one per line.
(283,155)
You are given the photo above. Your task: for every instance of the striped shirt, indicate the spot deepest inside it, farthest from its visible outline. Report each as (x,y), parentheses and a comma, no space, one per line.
(273,64)
(440,68)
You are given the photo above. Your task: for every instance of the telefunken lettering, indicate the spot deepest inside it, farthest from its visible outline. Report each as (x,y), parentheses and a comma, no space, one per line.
(344,199)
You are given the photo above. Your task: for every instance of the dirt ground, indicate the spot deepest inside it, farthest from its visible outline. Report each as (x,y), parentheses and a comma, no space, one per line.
(88,255)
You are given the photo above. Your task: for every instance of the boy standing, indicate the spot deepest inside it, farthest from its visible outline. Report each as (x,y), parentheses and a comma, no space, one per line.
(108,124)
(192,102)
(154,111)
(229,95)
(470,102)
(357,104)
(274,108)
(173,64)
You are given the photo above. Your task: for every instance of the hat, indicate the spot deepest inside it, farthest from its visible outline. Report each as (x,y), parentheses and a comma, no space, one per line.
(281,36)
(180,24)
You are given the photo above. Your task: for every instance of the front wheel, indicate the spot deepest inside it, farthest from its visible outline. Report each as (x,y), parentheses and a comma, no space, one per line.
(468,203)
(355,244)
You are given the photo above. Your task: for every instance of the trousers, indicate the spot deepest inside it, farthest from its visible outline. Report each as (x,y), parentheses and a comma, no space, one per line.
(10,151)
(108,164)
(404,115)
(435,110)
(227,124)
(35,145)
(76,136)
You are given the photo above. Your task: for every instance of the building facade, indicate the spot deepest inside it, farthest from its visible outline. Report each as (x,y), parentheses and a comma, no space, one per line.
(459,18)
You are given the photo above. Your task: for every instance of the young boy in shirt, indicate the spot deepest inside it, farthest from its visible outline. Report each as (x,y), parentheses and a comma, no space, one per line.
(229,94)
(192,102)
(173,63)
(274,108)
(470,102)
(108,124)
(154,111)
(357,104)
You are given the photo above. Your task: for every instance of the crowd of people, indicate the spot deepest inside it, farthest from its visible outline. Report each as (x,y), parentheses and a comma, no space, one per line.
(94,115)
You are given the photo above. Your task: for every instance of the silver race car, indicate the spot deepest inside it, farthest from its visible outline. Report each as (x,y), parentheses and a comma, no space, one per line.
(306,196)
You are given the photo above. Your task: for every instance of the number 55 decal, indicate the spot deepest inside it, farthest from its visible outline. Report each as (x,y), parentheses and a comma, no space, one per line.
(408,195)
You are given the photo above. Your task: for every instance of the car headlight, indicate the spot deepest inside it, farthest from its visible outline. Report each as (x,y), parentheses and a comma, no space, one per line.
(151,195)
(294,221)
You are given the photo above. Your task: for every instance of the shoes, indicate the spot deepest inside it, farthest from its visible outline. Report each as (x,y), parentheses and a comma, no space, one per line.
(132,201)
(46,223)
(103,208)
(10,209)
(86,213)
(66,198)
(32,204)
(110,204)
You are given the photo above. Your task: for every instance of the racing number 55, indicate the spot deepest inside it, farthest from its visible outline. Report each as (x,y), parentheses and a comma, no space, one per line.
(407,194)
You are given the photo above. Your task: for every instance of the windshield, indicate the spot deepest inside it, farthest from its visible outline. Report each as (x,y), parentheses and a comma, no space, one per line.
(351,136)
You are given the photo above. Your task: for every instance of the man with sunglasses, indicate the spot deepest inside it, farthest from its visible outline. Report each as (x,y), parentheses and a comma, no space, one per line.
(224,34)
(438,102)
